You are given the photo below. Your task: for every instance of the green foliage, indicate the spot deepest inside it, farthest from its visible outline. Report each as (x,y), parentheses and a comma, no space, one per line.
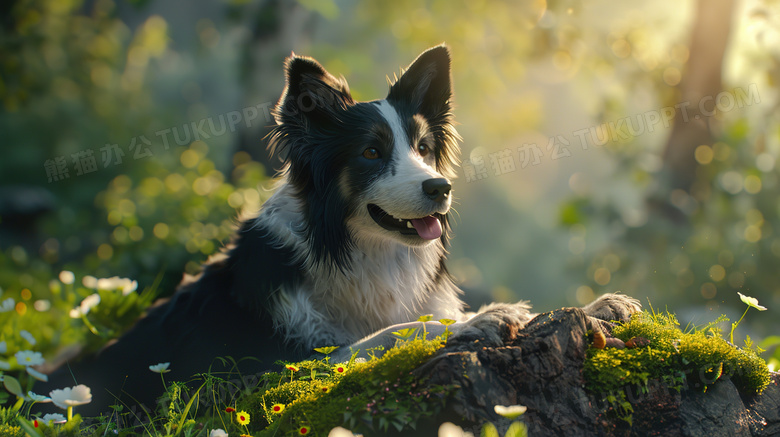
(176,215)
(373,395)
(690,359)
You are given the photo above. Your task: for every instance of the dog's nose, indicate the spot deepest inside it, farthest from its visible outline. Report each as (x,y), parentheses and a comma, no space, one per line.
(437,189)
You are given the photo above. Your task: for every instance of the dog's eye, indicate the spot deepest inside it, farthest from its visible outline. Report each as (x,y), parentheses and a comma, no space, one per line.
(423,149)
(371,153)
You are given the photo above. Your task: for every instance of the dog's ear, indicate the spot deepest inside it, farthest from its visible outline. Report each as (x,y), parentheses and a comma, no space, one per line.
(426,84)
(312,95)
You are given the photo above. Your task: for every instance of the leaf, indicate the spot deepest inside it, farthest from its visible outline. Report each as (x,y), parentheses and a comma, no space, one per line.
(187,410)
(769,342)
(517,429)
(446,322)
(12,385)
(425,318)
(28,427)
(404,333)
(326,350)
(488,430)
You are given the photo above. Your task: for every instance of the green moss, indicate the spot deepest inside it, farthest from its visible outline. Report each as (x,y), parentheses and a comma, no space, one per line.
(373,395)
(689,359)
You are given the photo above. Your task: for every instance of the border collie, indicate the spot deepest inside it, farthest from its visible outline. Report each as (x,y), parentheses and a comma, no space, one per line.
(352,243)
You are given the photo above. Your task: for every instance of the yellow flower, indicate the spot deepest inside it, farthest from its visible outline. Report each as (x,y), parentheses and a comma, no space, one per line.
(242,417)
(340,369)
(277,408)
(304,430)
(326,350)
(293,368)
(325,389)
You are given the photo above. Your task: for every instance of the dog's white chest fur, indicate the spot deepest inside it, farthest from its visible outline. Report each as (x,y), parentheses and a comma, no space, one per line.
(387,283)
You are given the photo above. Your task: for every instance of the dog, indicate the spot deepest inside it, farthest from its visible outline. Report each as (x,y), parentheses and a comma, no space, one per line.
(350,247)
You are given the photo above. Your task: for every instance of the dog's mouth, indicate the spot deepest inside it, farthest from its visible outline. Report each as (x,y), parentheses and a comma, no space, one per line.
(427,228)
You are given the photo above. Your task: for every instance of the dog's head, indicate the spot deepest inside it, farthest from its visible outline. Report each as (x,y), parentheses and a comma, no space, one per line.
(376,171)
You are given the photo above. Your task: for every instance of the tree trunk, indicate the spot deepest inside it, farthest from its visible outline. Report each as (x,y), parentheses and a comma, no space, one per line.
(540,367)
(693,122)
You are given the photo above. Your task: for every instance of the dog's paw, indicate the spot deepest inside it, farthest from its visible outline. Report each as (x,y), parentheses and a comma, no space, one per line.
(492,326)
(613,307)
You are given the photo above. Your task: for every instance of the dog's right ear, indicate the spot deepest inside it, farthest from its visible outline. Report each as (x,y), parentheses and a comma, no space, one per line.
(312,95)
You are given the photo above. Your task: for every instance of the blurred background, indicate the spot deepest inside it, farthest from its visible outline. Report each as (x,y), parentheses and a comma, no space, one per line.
(607,146)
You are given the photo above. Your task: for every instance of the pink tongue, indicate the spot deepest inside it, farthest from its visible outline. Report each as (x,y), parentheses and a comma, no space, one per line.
(429,227)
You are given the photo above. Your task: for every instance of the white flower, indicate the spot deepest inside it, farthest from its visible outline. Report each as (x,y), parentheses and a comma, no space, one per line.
(4,365)
(7,305)
(85,305)
(115,283)
(751,302)
(38,398)
(53,418)
(71,396)
(67,277)
(3,347)
(218,433)
(446,429)
(29,358)
(160,368)
(37,375)
(511,411)
(89,281)
(27,336)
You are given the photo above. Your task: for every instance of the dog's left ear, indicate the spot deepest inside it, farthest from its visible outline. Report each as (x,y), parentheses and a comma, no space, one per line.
(426,84)
(312,95)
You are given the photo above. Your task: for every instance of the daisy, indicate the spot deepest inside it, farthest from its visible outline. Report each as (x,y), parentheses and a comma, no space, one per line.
(53,418)
(277,408)
(7,305)
(116,283)
(304,430)
(242,417)
(67,277)
(29,358)
(160,368)
(38,398)
(89,281)
(69,397)
(751,302)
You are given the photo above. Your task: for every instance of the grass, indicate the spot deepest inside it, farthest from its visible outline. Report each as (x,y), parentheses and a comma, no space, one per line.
(312,397)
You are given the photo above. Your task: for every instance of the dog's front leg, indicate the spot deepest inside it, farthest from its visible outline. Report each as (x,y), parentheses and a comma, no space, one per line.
(381,341)
(491,326)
